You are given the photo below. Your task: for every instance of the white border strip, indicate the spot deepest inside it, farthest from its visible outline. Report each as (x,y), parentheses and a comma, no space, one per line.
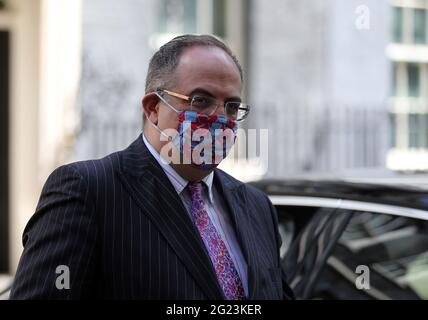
(348,204)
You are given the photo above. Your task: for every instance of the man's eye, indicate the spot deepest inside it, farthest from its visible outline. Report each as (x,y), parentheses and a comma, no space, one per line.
(201,102)
(233,107)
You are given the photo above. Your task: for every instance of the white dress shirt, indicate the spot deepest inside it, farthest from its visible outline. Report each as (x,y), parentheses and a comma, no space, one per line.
(215,206)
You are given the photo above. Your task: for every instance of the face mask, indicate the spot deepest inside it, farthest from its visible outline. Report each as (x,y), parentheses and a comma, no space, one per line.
(203,140)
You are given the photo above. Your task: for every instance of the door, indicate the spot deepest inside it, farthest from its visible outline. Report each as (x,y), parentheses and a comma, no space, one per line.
(4,148)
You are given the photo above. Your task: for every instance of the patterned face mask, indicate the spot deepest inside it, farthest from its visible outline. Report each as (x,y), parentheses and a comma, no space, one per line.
(203,140)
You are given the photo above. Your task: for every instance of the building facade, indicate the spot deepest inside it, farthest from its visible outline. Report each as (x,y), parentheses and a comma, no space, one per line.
(408,52)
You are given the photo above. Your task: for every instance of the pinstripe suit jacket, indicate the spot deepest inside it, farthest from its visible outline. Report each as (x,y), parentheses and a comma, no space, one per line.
(121,229)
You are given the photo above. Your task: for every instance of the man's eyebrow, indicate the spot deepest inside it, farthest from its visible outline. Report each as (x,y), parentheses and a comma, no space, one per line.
(207,93)
(201,91)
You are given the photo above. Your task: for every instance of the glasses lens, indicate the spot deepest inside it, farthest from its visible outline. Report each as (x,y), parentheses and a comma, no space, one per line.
(236,110)
(232,110)
(203,104)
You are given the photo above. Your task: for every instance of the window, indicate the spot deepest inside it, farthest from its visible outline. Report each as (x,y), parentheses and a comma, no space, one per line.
(413,79)
(419,26)
(392,124)
(418,130)
(191,16)
(423,130)
(219,13)
(394,79)
(409,25)
(409,120)
(291,220)
(177,16)
(413,130)
(398,24)
(425,135)
(406,79)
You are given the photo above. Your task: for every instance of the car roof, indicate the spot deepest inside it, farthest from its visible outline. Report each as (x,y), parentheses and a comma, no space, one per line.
(403,194)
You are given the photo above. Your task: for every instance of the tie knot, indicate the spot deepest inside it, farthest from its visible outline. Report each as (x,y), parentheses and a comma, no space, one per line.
(195,189)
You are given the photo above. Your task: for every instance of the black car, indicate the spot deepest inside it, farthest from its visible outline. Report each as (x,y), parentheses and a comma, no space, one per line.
(352,240)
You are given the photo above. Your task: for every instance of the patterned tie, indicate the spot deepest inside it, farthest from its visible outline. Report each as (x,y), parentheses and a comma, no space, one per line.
(227,274)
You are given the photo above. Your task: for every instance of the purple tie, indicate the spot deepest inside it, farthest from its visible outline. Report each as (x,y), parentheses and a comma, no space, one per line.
(227,274)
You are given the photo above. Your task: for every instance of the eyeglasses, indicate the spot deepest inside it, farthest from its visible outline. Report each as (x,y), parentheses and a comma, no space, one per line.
(234,110)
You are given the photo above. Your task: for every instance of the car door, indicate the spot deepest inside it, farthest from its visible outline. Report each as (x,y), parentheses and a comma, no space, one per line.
(328,256)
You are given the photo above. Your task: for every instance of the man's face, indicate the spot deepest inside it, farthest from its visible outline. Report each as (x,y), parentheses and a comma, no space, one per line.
(203,71)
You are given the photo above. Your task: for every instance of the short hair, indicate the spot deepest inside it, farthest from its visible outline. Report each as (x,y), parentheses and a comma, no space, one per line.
(164,62)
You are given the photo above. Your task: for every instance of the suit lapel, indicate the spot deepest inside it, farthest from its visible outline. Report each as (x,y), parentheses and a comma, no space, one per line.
(235,196)
(148,185)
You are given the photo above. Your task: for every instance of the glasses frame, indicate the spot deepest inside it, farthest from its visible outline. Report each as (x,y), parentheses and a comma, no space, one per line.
(189,99)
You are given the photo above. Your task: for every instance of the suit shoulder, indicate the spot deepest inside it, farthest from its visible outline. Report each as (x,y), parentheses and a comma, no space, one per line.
(251,191)
(89,168)
(256,192)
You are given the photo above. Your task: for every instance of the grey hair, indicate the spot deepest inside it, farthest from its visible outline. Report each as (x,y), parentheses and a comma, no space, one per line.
(164,62)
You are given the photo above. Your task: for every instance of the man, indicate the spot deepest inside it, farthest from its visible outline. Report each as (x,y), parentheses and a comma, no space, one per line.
(133,226)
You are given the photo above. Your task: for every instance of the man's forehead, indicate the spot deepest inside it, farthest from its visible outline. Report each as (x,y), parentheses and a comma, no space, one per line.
(194,53)
(206,58)
(208,66)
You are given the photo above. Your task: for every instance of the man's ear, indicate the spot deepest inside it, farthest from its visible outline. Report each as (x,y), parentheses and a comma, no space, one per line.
(150,106)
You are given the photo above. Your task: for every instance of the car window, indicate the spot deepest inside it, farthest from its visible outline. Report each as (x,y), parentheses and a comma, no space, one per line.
(291,220)
(316,230)
(393,248)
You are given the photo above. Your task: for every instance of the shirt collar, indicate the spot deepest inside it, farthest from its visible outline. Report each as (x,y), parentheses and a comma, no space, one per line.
(177,181)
